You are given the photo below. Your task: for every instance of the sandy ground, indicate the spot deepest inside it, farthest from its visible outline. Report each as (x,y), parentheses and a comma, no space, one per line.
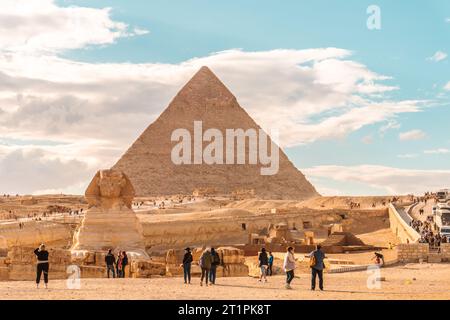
(432,281)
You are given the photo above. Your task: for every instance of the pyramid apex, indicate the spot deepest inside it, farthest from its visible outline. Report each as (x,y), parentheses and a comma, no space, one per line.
(205,71)
(205,68)
(205,85)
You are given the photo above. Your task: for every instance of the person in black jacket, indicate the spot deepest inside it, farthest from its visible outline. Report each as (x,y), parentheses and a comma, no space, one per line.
(263,264)
(124,263)
(187,261)
(215,261)
(42,265)
(110,262)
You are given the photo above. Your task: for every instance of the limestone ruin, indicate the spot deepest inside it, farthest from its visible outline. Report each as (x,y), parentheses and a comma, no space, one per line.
(110,223)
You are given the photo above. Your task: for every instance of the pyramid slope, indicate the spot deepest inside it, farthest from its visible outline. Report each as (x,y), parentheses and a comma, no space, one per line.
(148,161)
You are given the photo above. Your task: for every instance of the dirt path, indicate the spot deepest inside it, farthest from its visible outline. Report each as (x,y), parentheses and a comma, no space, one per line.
(415,281)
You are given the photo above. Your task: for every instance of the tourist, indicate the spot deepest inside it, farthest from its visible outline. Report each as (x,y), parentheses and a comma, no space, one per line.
(317,265)
(119,264)
(269,269)
(187,261)
(289,266)
(379,259)
(110,260)
(263,264)
(205,265)
(42,265)
(215,261)
(124,263)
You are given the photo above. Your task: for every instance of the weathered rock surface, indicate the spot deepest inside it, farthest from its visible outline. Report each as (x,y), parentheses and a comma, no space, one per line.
(110,223)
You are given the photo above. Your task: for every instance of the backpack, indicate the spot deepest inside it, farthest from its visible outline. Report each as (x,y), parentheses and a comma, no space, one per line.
(215,259)
(312,261)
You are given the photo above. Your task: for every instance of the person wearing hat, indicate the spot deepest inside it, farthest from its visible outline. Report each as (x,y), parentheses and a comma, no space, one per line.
(42,265)
(187,260)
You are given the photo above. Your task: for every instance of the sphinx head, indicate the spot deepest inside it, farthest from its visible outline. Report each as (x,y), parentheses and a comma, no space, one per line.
(111,183)
(112,186)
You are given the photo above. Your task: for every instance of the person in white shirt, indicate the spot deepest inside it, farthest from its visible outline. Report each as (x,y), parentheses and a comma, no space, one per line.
(289,266)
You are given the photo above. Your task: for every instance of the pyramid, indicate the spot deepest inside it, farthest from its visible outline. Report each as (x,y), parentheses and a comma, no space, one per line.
(205,98)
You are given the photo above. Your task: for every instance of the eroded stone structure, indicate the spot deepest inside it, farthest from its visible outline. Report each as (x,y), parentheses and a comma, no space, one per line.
(110,223)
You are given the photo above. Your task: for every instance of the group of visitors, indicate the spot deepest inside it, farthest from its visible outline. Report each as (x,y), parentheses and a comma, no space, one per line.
(116,266)
(316,264)
(208,262)
(113,265)
(355,205)
(427,235)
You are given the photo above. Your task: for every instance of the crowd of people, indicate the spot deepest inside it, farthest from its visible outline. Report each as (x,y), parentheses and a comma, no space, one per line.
(208,262)
(116,266)
(427,233)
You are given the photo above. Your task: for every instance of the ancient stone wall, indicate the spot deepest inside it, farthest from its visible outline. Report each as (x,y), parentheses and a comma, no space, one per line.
(404,232)
(445,252)
(212,232)
(21,263)
(34,233)
(413,252)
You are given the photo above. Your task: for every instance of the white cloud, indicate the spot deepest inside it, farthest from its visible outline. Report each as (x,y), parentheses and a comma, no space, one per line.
(93,115)
(412,135)
(447,86)
(407,156)
(112,103)
(33,26)
(32,170)
(437,151)
(392,181)
(308,101)
(438,56)
(390,125)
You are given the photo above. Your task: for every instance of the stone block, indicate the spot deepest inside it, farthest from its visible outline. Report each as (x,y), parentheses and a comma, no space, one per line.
(93,272)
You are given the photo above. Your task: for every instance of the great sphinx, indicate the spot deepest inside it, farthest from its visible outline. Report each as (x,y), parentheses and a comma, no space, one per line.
(110,222)
(110,189)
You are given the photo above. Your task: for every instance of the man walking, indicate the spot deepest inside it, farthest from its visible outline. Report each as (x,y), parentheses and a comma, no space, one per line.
(110,261)
(263,264)
(317,266)
(205,265)
(215,261)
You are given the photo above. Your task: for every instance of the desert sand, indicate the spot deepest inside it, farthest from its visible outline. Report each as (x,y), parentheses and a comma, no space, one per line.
(410,282)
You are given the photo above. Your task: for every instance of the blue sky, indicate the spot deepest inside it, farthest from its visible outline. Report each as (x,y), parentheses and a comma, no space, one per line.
(411,34)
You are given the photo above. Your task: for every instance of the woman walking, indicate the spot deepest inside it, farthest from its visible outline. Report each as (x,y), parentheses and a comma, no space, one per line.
(42,265)
(124,263)
(263,264)
(289,266)
(119,264)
